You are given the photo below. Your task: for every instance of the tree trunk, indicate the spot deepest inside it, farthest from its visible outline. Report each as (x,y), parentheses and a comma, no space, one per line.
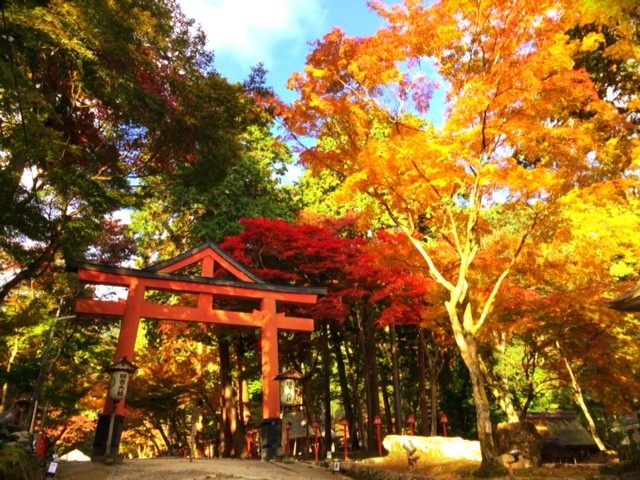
(500,393)
(177,434)
(158,426)
(433,392)
(151,438)
(397,397)
(469,352)
(353,359)
(344,387)
(326,386)
(387,404)
(422,385)
(241,407)
(5,386)
(230,442)
(435,357)
(372,386)
(579,398)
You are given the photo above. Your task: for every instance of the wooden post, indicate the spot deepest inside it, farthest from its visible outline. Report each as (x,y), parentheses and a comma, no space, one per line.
(127,338)
(269,343)
(163,277)
(344,423)
(377,422)
(316,425)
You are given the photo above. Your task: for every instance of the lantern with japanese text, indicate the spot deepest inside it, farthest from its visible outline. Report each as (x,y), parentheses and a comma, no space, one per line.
(120,372)
(288,386)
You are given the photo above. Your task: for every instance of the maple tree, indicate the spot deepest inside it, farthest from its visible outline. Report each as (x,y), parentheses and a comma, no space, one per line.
(365,298)
(97,97)
(303,255)
(523,129)
(572,341)
(172,376)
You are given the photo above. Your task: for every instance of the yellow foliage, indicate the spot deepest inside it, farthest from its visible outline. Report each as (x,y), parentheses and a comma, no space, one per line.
(523,179)
(592,42)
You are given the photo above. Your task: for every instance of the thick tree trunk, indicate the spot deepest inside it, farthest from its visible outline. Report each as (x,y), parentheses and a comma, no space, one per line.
(397,396)
(422,385)
(226,443)
(344,387)
(372,386)
(240,407)
(469,352)
(231,441)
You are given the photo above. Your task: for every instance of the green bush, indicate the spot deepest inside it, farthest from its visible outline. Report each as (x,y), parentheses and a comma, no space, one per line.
(16,464)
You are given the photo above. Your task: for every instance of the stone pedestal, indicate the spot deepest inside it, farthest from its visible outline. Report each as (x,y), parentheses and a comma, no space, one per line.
(102,435)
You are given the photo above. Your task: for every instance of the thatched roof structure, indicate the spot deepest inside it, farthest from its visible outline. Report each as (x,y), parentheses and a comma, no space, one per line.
(561,428)
(628,301)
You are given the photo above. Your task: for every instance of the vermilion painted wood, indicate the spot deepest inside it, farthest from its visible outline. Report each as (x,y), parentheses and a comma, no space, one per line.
(162,277)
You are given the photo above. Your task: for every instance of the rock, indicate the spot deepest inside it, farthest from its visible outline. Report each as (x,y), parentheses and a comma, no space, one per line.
(75,456)
(21,439)
(521,437)
(434,449)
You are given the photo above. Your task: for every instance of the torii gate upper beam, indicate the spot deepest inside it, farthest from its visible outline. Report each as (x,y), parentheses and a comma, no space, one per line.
(136,307)
(161,278)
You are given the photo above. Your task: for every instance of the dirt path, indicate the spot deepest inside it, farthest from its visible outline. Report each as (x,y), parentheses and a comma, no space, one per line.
(199,469)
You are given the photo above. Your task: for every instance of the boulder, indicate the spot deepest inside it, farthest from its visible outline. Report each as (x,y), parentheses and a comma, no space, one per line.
(518,444)
(75,456)
(20,439)
(433,449)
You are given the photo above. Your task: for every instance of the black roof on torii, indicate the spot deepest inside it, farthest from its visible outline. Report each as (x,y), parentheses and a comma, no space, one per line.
(254,282)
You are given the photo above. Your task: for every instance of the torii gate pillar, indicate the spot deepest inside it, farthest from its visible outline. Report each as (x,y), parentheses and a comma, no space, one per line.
(269,342)
(162,277)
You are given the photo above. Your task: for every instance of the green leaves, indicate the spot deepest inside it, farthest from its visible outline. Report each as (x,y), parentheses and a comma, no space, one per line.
(98,97)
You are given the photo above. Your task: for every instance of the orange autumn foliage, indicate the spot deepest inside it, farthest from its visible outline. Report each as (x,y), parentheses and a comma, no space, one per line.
(478,185)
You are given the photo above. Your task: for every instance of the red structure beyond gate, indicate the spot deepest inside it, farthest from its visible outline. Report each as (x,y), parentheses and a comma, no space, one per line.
(219,275)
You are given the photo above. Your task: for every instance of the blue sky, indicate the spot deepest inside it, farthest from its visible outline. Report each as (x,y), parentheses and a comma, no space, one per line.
(277,33)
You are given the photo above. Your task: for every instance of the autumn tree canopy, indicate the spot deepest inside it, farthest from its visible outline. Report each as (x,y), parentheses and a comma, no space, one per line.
(467,246)
(97,97)
(104,106)
(524,130)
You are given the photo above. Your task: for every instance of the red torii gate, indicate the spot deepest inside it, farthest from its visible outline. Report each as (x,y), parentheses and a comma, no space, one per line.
(163,277)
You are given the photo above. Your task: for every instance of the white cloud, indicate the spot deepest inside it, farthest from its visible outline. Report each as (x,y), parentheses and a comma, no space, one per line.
(246,32)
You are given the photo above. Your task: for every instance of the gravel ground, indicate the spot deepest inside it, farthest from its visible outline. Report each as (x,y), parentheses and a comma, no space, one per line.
(198,469)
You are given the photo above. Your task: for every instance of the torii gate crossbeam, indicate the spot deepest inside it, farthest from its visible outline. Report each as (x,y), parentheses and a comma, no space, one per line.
(162,277)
